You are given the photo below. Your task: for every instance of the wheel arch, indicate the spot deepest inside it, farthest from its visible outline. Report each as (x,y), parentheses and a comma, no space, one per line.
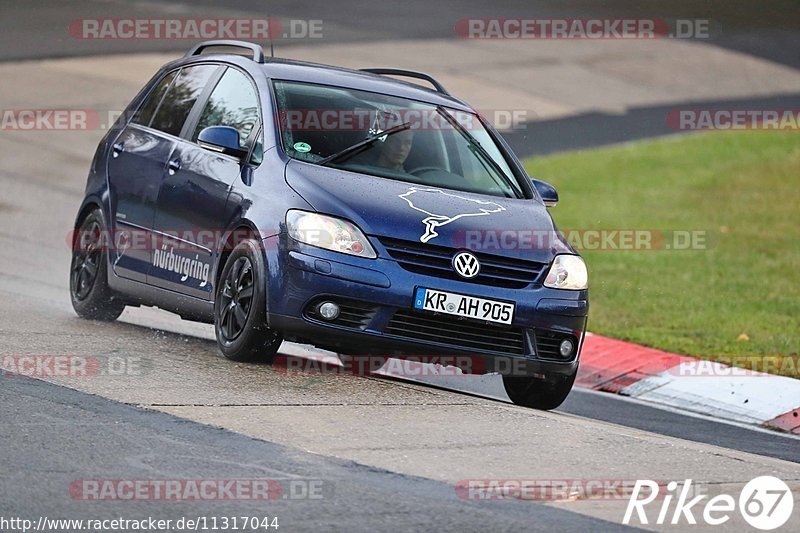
(243,229)
(89,204)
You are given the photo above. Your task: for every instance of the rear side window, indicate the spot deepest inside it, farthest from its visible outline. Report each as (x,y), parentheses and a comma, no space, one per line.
(233,103)
(180,98)
(145,114)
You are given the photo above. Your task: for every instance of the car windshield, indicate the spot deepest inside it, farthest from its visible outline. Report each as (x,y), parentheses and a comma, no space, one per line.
(392,137)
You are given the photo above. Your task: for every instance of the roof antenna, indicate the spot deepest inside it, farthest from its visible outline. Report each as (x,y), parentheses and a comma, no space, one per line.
(271,47)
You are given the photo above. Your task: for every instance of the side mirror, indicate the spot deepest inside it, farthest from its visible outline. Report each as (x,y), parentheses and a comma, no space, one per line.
(546,191)
(222,139)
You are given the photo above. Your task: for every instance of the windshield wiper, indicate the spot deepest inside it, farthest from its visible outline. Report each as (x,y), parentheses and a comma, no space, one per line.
(479,150)
(362,144)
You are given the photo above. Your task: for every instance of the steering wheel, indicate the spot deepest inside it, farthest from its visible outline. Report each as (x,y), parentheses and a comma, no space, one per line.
(421,170)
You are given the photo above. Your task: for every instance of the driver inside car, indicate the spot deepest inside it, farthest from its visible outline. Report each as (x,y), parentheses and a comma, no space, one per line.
(394,151)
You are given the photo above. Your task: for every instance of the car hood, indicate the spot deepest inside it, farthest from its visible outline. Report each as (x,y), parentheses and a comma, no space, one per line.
(383,207)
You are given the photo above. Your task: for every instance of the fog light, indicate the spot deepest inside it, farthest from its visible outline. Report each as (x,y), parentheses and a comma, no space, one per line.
(328,310)
(566,348)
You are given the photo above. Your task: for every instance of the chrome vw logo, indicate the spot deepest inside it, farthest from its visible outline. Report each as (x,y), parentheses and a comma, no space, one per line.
(466,265)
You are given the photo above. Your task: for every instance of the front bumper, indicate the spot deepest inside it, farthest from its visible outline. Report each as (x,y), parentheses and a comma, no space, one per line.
(301,275)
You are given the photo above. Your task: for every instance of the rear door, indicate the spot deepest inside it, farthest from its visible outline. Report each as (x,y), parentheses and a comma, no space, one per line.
(138,165)
(192,198)
(138,158)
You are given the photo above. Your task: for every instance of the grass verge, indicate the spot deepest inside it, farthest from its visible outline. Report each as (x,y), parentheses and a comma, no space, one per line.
(737,295)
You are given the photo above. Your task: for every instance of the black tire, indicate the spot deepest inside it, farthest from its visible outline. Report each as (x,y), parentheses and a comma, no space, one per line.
(88,274)
(240,309)
(538,393)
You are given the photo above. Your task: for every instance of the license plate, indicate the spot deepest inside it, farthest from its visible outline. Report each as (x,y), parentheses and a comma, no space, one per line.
(464,306)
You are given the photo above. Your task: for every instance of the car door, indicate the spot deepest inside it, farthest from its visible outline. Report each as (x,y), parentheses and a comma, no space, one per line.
(191,202)
(135,168)
(138,163)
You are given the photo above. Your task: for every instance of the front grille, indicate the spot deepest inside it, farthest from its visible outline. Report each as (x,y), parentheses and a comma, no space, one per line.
(456,332)
(352,314)
(435,260)
(548,342)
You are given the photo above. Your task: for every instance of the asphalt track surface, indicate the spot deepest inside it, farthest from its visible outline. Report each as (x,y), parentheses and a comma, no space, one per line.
(388,452)
(352,497)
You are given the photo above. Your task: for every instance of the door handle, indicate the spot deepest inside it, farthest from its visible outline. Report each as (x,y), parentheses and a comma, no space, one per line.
(116,148)
(173,166)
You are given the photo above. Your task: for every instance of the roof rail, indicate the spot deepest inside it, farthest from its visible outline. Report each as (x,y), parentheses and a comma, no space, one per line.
(408,74)
(258,52)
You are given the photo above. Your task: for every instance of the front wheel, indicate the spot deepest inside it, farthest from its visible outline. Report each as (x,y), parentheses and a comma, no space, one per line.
(240,310)
(538,393)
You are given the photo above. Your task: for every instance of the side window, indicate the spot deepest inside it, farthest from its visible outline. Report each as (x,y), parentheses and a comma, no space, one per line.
(233,103)
(145,114)
(180,98)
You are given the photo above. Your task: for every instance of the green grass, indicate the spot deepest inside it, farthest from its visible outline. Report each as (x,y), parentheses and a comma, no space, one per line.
(742,188)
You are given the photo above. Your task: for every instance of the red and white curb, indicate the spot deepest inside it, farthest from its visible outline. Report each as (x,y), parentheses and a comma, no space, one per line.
(690,384)
(648,375)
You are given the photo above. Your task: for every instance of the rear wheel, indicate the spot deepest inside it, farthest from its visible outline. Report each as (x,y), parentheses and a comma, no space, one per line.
(240,310)
(88,275)
(538,393)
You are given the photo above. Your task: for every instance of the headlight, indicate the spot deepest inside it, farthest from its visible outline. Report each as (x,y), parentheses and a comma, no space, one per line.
(328,232)
(567,272)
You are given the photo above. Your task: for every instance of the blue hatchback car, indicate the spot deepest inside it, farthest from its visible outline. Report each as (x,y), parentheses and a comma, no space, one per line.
(342,208)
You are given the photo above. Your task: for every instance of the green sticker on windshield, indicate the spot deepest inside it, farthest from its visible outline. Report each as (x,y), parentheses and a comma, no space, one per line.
(302,147)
